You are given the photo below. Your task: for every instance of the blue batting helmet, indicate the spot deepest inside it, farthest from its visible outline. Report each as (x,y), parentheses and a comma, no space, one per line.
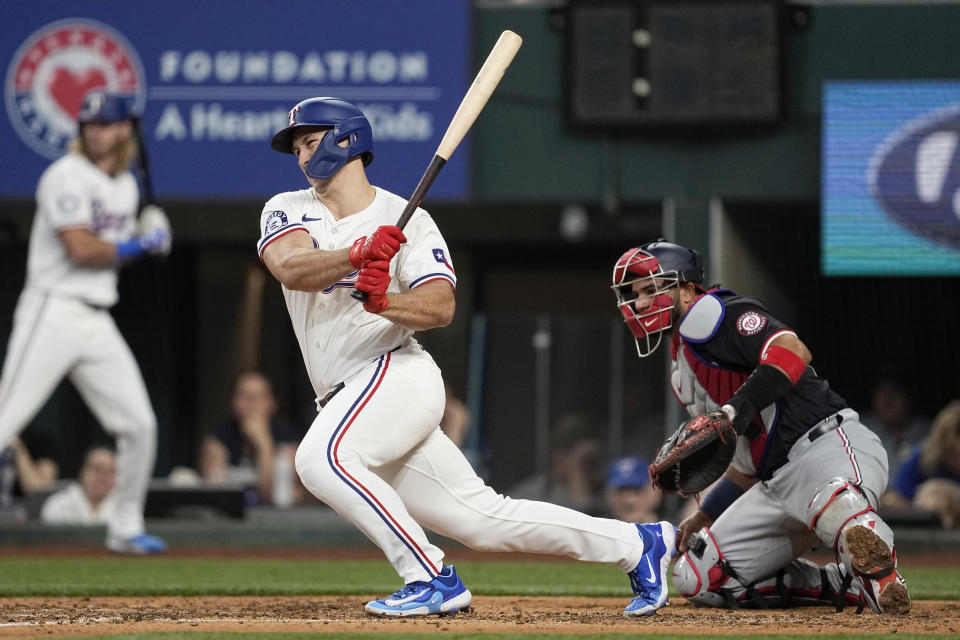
(101,106)
(345,120)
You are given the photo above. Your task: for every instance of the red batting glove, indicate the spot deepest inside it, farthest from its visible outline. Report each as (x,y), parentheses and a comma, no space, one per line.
(383,243)
(373,280)
(356,252)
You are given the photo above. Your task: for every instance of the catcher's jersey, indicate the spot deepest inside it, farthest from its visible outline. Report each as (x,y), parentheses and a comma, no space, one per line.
(74,193)
(717,345)
(337,336)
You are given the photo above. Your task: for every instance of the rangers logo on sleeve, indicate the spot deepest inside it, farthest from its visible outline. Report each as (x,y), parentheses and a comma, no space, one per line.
(67,204)
(441,257)
(275,221)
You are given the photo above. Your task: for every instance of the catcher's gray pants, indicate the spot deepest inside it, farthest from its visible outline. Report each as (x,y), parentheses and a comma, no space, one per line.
(768,526)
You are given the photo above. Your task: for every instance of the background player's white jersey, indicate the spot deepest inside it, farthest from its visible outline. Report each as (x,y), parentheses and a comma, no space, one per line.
(337,336)
(74,193)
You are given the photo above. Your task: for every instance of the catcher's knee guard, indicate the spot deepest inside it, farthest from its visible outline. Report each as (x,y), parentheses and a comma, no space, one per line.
(703,575)
(844,520)
(837,505)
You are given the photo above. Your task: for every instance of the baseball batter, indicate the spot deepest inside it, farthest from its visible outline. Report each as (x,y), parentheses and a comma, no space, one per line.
(84,229)
(805,470)
(375,452)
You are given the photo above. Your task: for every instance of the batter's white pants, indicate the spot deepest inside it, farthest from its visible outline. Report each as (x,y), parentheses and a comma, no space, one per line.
(768,526)
(55,336)
(376,455)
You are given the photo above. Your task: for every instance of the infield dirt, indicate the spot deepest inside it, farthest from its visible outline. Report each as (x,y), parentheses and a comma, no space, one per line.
(51,617)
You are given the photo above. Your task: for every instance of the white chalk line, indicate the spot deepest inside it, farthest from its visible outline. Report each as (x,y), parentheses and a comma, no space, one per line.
(30,623)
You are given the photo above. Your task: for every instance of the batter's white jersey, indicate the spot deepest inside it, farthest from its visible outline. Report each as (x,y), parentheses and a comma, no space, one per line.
(337,336)
(74,193)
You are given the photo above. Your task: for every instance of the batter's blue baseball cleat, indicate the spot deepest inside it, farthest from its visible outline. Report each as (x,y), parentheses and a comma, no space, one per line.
(444,594)
(141,545)
(649,578)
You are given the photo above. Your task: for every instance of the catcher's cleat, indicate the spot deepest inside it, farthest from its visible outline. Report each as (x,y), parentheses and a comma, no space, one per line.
(875,567)
(649,578)
(445,594)
(141,545)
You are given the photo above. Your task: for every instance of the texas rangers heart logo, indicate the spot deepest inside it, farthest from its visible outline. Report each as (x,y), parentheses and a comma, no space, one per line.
(915,176)
(53,69)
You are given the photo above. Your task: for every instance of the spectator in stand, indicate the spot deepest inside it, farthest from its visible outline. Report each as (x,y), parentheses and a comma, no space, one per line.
(455,420)
(629,494)
(89,500)
(21,474)
(942,497)
(930,478)
(574,478)
(893,419)
(254,444)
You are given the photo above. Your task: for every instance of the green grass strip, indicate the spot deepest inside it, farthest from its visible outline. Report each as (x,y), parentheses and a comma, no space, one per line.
(259,577)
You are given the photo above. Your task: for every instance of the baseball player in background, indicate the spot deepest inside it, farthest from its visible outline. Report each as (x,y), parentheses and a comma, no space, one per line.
(84,230)
(805,470)
(375,452)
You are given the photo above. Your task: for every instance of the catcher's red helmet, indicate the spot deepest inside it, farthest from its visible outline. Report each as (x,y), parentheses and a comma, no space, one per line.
(642,279)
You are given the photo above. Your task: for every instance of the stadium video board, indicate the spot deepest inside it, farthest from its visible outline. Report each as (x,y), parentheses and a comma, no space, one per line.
(890,183)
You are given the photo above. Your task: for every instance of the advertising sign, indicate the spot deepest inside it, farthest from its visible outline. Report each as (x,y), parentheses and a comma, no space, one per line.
(215,79)
(891,178)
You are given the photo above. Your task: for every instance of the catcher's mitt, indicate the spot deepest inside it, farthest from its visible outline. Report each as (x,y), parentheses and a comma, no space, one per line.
(697,453)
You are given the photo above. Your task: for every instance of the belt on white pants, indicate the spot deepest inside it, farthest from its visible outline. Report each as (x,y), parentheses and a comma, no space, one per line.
(322,402)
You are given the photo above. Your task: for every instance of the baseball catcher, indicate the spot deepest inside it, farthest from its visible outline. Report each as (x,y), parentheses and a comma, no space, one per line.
(790,464)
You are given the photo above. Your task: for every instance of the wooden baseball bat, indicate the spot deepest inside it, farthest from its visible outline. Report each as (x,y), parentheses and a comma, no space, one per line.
(143,164)
(470,107)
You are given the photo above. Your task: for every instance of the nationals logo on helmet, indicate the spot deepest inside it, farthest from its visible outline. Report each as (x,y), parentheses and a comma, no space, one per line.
(53,69)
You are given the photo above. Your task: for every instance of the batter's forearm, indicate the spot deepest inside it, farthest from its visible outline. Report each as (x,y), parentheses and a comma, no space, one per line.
(87,250)
(312,270)
(427,307)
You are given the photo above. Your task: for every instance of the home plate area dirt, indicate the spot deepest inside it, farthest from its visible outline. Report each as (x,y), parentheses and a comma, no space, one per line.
(51,617)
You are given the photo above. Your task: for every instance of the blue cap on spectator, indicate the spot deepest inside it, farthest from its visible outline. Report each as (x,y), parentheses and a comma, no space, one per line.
(628,472)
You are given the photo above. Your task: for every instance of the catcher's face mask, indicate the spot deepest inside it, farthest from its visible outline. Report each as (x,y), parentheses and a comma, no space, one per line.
(643,296)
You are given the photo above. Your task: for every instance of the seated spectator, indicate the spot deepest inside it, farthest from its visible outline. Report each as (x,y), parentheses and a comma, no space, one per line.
(254,445)
(941,497)
(937,461)
(893,419)
(22,475)
(629,494)
(455,420)
(575,477)
(90,499)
